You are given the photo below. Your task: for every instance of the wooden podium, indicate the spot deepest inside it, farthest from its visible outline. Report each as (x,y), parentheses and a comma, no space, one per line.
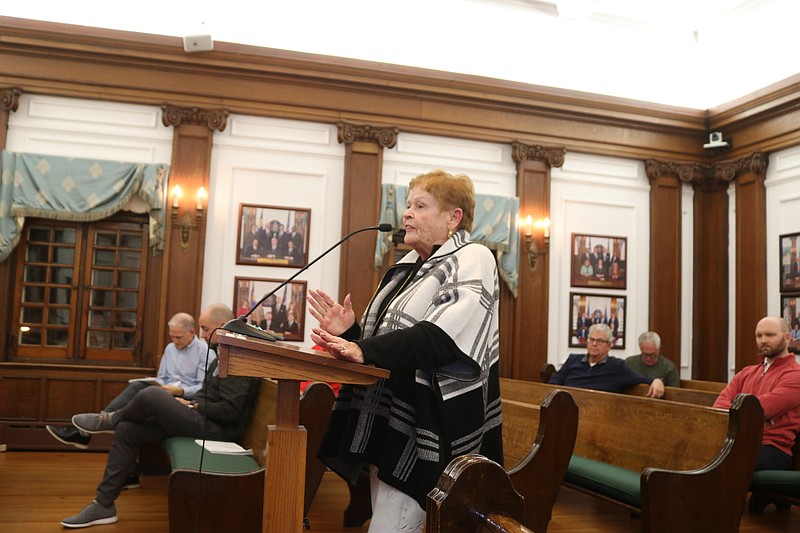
(284,479)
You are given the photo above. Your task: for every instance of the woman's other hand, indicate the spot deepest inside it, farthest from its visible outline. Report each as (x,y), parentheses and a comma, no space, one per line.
(337,346)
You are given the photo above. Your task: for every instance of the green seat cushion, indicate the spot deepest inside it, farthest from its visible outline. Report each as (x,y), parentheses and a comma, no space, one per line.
(612,481)
(778,481)
(184,454)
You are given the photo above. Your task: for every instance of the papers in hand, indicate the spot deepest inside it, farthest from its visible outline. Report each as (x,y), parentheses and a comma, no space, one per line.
(218,446)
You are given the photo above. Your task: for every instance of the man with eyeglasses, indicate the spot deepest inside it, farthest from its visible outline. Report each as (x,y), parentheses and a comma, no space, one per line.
(650,363)
(599,371)
(181,373)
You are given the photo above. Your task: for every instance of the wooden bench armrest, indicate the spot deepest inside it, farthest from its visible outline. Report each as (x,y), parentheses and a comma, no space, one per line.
(460,501)
(713,496)
(539,475)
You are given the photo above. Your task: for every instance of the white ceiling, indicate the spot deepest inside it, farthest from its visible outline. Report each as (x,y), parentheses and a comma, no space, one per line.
(690,53)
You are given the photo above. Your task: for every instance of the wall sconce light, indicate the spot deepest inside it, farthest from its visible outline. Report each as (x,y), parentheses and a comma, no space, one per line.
(530,243)
(186,224)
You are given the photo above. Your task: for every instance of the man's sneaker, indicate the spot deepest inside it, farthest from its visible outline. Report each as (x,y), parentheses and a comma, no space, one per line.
(93,514)
(70,435)
(94,422)
(131,482)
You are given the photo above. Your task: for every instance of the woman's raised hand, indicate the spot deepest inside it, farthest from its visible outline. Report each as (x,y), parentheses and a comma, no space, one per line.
(333,317)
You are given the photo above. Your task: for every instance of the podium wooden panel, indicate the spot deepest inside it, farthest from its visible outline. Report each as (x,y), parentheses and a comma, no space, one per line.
(284,478)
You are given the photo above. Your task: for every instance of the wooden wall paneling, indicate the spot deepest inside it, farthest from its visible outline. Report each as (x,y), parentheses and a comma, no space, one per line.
(751,254)
(665,255)
(710,298)
(182,281)
(361,202)
(9,102)
(531,307)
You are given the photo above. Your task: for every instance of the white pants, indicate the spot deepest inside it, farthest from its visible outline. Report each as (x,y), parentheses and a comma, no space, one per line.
(393,510)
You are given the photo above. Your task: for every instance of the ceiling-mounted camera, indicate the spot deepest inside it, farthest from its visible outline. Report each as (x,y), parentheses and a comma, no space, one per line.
(715,140)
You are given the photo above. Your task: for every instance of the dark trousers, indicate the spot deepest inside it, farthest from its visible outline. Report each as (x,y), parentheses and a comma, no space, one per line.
(771,458)
(151,416)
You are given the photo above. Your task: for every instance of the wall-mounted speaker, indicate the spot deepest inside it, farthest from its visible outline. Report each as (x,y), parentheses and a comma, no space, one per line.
(198,43)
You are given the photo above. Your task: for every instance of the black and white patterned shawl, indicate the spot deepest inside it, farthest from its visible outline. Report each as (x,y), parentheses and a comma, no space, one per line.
(412,424)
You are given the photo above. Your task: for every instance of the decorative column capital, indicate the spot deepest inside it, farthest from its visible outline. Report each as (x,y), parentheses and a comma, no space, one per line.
(9,98)
(688,172)
(349,133)
(175,116)
(700,173)
(524,152)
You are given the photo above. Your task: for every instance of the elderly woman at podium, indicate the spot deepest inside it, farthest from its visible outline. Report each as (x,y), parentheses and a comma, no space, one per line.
(433,322)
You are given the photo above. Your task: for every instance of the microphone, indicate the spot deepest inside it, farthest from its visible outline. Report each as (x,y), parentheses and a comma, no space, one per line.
(242,326)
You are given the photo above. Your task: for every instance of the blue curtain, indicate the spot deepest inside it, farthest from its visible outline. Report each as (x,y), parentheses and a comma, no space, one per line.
(81,190)
(494,227)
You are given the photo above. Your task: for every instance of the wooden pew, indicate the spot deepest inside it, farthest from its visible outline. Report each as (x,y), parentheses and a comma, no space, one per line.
(698,384)
(537,444)
(665,460)
(675,394)
(229,491)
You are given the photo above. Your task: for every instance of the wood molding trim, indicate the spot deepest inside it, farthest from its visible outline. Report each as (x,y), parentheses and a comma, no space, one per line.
(528,343)
(361,203)
(665,252)
(182,279)
(751,254)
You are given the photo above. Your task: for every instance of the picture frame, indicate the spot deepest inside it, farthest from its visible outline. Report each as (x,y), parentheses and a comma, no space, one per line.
(789,247)
(790,311)
(284,312)
(587,309)
(599,261)
(273,236)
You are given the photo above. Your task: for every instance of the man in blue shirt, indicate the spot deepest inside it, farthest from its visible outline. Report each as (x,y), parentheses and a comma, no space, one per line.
(181,373)
(599,371)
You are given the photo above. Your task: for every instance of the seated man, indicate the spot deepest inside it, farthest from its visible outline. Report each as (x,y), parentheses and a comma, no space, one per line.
(219,412)
(650,363)
(775,381)
(180,373)
(599,371)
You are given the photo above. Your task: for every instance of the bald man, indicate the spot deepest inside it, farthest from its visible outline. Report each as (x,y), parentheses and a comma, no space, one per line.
(776,383)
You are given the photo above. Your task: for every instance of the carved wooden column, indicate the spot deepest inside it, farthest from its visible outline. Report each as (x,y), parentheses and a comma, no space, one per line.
(665,252)
(361,201)
(523,336)
(9,102)
(751,251)
(184,249)
(711,266)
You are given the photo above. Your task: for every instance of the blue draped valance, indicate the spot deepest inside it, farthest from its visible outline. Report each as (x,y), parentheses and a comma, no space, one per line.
(494,226)
(74,189)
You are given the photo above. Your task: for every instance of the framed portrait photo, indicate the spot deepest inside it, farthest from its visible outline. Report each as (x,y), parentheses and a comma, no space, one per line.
(790,311)
(283,312)
(790,262)
(599,261)
(272,235)
(588,309)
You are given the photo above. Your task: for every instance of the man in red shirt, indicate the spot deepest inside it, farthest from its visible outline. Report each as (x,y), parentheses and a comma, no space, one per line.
(776,384)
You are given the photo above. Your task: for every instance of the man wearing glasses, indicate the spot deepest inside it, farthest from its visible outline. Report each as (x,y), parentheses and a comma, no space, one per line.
(599,371)
(180,373)
(650,363)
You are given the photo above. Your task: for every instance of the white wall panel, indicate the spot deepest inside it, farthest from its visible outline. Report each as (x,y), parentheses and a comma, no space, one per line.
(282,163)
(596,195)
(89,128)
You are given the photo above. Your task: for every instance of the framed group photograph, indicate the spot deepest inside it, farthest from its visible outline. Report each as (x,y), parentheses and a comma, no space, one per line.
(790,310)
(599,261)
(272,235)
(283,312)
(790,262)
(589,309)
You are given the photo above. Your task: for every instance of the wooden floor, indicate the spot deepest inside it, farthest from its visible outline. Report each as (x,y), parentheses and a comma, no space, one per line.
(38,489)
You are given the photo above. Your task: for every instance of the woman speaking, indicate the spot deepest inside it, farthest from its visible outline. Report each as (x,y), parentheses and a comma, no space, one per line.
(433,322)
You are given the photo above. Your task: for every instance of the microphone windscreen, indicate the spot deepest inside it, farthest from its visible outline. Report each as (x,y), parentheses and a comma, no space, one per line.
(385,227)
